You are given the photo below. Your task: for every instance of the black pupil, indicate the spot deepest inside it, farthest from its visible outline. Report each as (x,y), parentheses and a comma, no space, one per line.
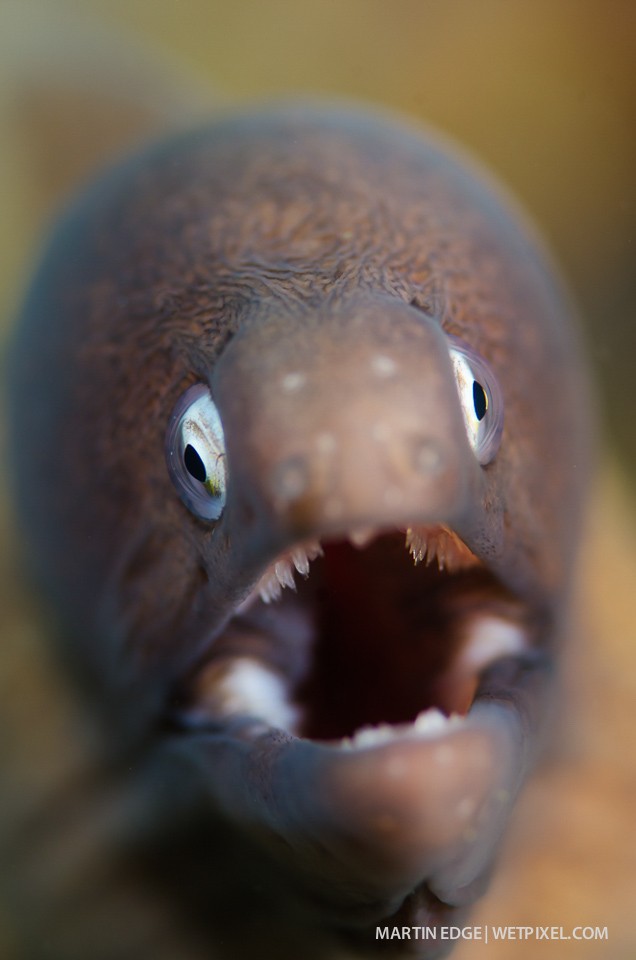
(194,464)
(480,401)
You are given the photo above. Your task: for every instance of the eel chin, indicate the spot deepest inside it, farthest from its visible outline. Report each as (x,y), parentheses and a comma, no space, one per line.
(372,724)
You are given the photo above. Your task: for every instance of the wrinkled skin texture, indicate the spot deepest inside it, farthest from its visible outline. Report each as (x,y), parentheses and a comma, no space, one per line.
(300,240)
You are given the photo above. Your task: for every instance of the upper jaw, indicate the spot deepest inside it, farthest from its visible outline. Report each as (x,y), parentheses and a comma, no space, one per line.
(432,543)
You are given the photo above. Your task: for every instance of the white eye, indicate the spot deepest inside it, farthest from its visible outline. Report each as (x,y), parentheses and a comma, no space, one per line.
(195,453)
(480,398)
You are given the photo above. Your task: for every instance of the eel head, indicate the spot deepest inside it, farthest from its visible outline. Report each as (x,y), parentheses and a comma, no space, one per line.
(258,393)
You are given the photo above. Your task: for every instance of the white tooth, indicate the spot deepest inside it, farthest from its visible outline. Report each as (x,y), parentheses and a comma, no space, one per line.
(281,573)
(429,723)
(362,536)
(416,545)
(301,561)
(313,549)
(441,544)
(371,736)
(433,721)
(284,574)
(270,590)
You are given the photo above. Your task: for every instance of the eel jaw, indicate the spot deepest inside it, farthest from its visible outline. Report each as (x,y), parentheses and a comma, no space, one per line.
(433,543)
(371,807)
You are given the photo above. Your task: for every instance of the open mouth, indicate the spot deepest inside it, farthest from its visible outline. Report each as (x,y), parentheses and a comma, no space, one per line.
(358,640)
(365,714)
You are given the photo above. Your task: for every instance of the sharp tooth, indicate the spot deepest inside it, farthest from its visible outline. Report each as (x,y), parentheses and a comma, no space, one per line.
(281,573)
(270,590)
(304,554)
(313,549)
(284,574)
(415,544)
(362,536)
(441,544)
(301,561)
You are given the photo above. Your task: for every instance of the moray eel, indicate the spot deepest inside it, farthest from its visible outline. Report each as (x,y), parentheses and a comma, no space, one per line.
(299,430)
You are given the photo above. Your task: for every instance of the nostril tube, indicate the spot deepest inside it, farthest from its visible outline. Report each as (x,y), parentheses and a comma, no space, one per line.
(427,456)
(289,479)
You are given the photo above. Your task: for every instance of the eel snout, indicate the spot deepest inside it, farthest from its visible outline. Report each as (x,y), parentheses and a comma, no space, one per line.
(384,445)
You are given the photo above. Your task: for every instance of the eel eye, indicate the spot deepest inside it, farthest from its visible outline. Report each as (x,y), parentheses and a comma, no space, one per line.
(480,398)
(195,453)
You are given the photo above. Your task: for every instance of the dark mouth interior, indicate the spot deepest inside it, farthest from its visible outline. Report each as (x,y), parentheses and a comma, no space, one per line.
(368,638)
(386,632)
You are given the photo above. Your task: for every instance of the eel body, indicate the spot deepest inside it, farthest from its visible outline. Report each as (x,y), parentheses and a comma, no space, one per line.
(299,433)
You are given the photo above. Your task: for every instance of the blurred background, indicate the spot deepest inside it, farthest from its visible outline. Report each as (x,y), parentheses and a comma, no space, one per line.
(544,92)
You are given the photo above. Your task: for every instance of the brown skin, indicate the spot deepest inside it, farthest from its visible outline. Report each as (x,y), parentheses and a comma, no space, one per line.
(308,240)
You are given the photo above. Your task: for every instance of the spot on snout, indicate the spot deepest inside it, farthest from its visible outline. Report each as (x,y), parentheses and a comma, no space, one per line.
(293,382)
(290,479)
(383,366)
(427,456)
